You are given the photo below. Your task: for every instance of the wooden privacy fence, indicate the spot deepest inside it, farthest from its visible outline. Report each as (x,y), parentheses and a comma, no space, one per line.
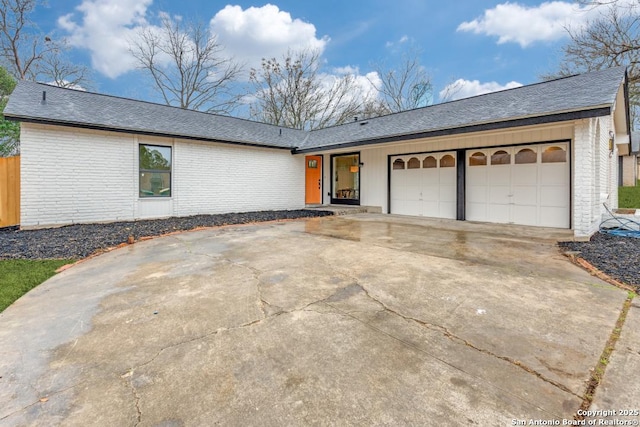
(9,191)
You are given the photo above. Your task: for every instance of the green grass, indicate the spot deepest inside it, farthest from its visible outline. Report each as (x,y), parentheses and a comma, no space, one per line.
(19,276)
(629,197)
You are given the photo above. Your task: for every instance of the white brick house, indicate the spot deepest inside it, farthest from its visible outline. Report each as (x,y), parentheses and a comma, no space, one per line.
(542,155)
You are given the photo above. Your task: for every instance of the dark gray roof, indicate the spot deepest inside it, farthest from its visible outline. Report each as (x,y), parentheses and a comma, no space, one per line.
(590,91)
(584,95)
(91,110)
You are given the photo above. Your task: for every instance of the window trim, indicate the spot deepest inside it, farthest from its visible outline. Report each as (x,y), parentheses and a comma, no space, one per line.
(163,171)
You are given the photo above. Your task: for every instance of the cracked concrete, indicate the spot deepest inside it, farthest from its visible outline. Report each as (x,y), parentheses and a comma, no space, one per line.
(366,319)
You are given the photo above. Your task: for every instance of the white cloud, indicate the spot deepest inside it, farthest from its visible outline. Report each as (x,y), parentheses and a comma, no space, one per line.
(105,28)
(263,32)
(462,88)
(514,22)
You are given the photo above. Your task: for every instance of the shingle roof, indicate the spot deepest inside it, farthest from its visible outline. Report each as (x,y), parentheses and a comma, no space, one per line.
(583,95)
(86,109)
(582,92)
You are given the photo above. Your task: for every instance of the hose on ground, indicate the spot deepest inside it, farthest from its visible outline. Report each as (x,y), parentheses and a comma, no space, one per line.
(620,226)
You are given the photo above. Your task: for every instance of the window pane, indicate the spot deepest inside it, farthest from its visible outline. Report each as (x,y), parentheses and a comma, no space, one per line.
(413,163)
(478,159)
(153,157)
(155,184)
(398,164)
(429,162)
(447,161)
(554,155)
(500,157)
(346,171)
(526,155)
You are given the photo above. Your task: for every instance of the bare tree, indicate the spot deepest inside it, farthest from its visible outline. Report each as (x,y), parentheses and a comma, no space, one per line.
(29,54)
(610,40)
(186,65)
(293,92)
(403,88)
(59,71)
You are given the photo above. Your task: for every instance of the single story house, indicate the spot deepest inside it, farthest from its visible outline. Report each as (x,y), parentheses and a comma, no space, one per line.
(544,154)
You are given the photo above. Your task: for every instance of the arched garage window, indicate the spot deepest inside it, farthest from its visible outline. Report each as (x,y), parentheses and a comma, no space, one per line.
(413,163)
(478,159)
(398,164)
(447,161)
(500,157)
(526,155)
(429,162)
(554,155)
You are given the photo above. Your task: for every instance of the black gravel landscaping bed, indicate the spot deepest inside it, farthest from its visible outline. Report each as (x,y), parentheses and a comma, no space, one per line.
(81,240)
(618,257)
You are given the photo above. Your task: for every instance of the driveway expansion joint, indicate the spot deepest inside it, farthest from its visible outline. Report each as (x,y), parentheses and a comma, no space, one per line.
(598,372)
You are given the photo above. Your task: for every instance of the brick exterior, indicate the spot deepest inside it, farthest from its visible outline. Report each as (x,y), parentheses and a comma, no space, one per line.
(80,176)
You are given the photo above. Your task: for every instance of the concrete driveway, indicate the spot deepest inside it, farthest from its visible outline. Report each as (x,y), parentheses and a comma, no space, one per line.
(355,320)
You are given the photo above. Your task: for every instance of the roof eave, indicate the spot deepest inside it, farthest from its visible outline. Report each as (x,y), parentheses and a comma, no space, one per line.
(505,124)
(50,122)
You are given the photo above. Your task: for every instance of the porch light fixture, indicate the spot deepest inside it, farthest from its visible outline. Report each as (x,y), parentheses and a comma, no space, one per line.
(611,139)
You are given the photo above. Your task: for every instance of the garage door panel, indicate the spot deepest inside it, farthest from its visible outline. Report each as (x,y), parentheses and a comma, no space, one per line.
(526,175)
(429,177)
(553,196)
(499,195)
(406,207)
(424,189)
(553,173)
(476,211)
(526,215)
(499,175)
(430,208)
(448,210)
(448,176)
(529,187)
(554,217)
(476,194)
(526,195)
(499,213)
(447,193)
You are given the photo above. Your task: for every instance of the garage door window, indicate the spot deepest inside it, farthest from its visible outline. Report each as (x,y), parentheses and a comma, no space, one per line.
(447,161)
(429,162)
(501,157)
(526,155)
(478,159)
(398,164)
(155,171)
(554,155)
(413,163)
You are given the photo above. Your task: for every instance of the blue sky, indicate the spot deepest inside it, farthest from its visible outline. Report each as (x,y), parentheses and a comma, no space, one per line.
(485,45)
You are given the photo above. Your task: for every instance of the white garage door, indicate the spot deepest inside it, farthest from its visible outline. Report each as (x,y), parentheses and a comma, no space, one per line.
(424,184)
(520,185)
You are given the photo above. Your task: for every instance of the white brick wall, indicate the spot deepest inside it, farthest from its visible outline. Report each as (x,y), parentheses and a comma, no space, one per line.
(595,174)
(78,176)
(70,176)
(629,170)
(221,178)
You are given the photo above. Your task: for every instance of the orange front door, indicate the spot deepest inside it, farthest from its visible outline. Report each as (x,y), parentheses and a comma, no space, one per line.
(313,180)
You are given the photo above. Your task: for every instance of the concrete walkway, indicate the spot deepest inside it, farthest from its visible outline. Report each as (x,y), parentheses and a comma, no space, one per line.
(356,320)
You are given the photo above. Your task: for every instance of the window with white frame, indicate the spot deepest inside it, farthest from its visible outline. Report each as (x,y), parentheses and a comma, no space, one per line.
(155,171)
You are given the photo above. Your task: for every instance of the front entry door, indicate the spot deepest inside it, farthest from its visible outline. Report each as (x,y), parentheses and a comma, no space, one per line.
(313,180)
